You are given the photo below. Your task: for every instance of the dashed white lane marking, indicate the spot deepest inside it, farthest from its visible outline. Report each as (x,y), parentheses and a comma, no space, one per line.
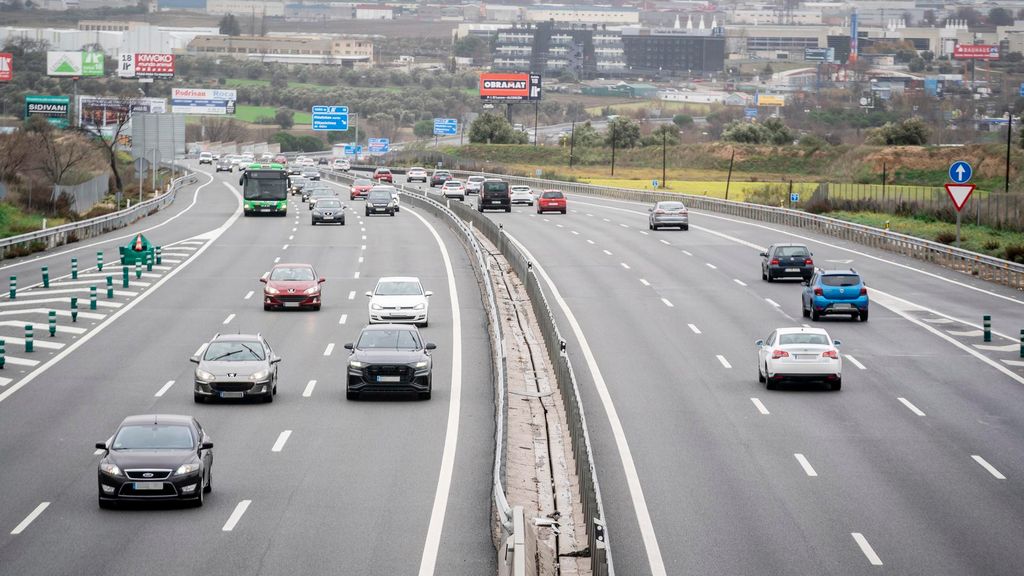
(295,229)
(236,515)
(229,319)
(1014,363)
(559,226)
(966,333)
(62,313)
(309,389)
(805,465)
(37,343)
(760,406)
(292,237)
(590,241)
(28,519)
(352,295)
(5,381)
(363,247)
(606,219)
(724,362)
(667,303)
(644,232)
(248,295)
(276,260)
(645,282)
(91,282)
(265,274)
(360,259)
(624,265)
(685,252)
(281,439)
(329,349)
(740,282)
(665,242)
(163,389)
(364,237)
(589,214)
(343,319)
(772,302)
(100,303)
(545,219)
(356,275)
(20,361)
(910,406)
(710,265)
(866,548)
(694,328)
(285,247)
(607,252)
(624,225)
(991,469)
(98,452)
(937,320)
(855,362)
(575,232)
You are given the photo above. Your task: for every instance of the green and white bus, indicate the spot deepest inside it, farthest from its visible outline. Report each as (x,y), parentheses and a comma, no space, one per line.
(265,189)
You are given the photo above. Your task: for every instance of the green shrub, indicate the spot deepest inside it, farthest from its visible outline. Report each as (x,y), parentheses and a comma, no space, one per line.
(945,237)
(1015,253)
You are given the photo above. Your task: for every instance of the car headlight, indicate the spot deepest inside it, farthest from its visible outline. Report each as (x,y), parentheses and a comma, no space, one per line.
(261,375)
(270,290)
(355,364)
(419,306)
(421,364)
(110,469)
(313,290)
(203,375)
(376,307)
(187,469)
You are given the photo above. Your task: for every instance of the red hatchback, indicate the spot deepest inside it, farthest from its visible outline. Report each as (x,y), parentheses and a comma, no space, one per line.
(383,175)
(551,201)
(292,286)
(360,188)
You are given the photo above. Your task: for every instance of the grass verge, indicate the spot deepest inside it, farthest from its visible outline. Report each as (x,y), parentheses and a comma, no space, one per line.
(13,221)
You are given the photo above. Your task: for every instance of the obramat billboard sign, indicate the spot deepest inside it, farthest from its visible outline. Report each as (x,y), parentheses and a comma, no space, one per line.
(514,87)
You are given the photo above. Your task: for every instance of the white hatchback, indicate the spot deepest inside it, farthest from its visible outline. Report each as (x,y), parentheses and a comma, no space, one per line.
(799,354)
(399,300)
(522,195)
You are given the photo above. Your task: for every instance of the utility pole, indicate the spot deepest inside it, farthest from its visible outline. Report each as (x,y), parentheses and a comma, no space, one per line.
(536,114)
(664,141)
(572,141)
(612,128)
(728,179)
(1009,136)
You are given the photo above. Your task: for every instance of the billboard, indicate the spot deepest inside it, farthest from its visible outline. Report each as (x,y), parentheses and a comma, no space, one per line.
(210,101)
(770,100)
(6,67)
(976,52)
(74,64)
(853,38)
(510,87)
(101,115)
(146,65)
(53,108)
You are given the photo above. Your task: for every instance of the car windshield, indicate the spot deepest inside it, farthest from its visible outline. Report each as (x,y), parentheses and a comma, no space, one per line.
(791,251)
(399,288)
(670,205)
(234,351)
(552,195)
(328,203)
(362,182)
(388,339)
(803,339)
(321,192)
(379,196)
(293,273)
(840,280)
(153,437)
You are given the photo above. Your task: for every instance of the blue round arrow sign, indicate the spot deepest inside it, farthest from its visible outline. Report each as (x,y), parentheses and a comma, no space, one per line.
(960,172)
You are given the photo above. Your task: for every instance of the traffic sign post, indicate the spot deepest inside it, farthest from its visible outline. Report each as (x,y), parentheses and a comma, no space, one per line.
(330,118)
(379,145)
(960,173)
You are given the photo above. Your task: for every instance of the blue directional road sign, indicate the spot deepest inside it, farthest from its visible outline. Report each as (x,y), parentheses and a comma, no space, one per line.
(330,118)
(446,126)
(794,197)
(379,145)
(960,172)
(1022,88)
(750,112)
(352,149)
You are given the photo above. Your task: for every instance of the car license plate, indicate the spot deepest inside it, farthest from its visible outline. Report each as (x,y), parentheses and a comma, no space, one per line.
(291,304)
(149,485)
(792,269)
(264,209)
(232,394)
(841,306)
(388,379)
(495,201)
(806,356)
(328,217)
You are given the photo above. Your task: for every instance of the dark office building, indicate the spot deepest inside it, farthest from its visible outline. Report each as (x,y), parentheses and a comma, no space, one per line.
(671,50)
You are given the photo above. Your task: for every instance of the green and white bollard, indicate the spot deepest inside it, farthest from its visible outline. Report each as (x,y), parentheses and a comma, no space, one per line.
(14,287)
(987,324)
(99,261)
(28,338)
(74,268)
(74,309)
(53,323)
(110,287)
(3,354)
(1022,343)
(46,276)
(124,276)
(159,258)
(92,297)
(149,262)
(138,269)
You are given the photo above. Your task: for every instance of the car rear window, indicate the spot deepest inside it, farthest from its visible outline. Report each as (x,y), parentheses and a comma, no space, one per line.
(388,339)
(840,280)
(553,195)
(803,339)
(379,196)
(791,251)
(670,205)
(495,188)
(476,178)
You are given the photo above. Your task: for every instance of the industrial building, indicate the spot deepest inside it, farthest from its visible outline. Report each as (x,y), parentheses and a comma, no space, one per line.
(346,51)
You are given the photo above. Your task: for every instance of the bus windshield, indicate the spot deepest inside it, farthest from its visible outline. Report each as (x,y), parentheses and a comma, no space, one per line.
(265,185)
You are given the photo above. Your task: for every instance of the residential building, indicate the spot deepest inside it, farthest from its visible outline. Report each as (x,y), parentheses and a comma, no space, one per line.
(346,51)
(674,51)
(582,14)
(548,47)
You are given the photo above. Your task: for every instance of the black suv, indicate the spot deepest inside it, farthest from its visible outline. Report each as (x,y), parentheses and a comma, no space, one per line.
(787,261)
(494,195)
(389,358)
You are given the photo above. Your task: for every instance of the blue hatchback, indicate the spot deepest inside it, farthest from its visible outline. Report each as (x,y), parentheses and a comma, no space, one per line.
(835,292)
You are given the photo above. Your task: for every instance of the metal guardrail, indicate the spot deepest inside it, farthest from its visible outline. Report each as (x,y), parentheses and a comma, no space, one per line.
(76,231)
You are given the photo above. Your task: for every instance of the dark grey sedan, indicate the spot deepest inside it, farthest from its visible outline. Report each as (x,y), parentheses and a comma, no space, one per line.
(328,211)
(787,261)
(669,214)
(236,366)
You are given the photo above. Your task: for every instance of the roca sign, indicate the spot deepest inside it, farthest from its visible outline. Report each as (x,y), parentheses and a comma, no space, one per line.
(146,65)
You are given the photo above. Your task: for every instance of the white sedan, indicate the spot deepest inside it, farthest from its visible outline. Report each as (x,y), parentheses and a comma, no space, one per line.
(799,354)
(522,195)
(454,189)
(399,300)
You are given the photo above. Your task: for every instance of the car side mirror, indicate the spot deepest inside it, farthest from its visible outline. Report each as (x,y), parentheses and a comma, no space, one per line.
(101,445)
(837,343)
(348,346)
(263,279)
(369,294)
(321,280)
(430,346)
(759,343)
(194,359)
(764,254)
(650,209)
(206,445)
(428,293)
(275,359)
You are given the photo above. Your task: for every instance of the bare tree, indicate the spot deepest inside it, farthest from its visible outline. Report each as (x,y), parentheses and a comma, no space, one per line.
(15,151)
(60,154)
(116,116)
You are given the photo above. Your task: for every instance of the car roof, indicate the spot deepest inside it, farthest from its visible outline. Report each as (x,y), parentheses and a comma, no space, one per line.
(236,338)
(416,168)
(398,279)
(292,265)
(796,244)
(381,327)
(157,418)
(801,330)
(837,271)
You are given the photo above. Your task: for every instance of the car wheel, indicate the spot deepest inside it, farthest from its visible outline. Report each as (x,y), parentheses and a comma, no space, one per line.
(313,222)
(760,377)
(539,211)
(266,307)
(198,503)
(342,221)
(424,324)
(531,203)
(837,385)
(509,209)
(316,308)
(198,398)
(105,504)
(763,275)
(350,395)
(269,397)
(423,395)
(686,227)
(804,311)
(769,276)
(768,384)
(563,211)
(209,481)
(815,315)
(864,316)
(367,211)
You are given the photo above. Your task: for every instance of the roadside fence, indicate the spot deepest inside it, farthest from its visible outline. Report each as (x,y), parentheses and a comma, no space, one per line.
(82,196)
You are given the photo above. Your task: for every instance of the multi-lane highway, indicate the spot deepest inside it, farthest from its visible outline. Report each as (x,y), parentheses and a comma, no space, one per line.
(915,465)
(310,484)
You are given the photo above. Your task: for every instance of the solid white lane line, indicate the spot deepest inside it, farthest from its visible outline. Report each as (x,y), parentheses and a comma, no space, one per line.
(643,515)
(279,445)
(236,515)
(710,265)
(309,389)
(740,282)
(285,247)
(329,349)
(356,275)
(343,319)
(694,328)
(855,362)
(772,302)
(607,252)
(248,295)
(665,242)
(805,465)
(164,388)
(724,362)
(991,469)
(687,253)
(624,265)
(645,282)
(28,519)
(228,319)
(667,303)
(352,295)
(760,406)
(866,548)
(590,241)
(911,407)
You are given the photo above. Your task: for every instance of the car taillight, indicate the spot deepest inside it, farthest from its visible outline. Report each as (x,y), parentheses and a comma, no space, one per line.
(774,262)
(659,211)
(830,354)
(863,291)
(809,262)
(776,354)
(683,212)
(818,292)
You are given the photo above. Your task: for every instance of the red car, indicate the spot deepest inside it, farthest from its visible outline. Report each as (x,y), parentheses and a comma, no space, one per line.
(360,188)
(292,286)
(551,200)
(383,175)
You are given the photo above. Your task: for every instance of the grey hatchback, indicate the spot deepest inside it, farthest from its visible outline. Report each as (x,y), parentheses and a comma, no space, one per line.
(669,213)
(235,366)
(787,261)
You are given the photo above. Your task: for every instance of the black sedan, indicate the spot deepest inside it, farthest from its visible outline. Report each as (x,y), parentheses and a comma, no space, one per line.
(439,177)
(156,457)
(389,358)
(787,261)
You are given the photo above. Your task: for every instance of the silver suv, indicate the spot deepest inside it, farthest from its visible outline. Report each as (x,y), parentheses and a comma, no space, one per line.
(235,366)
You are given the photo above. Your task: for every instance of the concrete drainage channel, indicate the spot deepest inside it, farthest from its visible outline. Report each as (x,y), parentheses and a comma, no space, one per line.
(548,514)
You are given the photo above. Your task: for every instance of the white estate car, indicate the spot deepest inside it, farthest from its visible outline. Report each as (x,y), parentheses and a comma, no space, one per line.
(522,195)
(399,300)
(799,354)
(473,184)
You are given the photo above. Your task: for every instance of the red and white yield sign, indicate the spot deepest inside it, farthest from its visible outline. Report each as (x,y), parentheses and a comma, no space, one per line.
(959,193)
